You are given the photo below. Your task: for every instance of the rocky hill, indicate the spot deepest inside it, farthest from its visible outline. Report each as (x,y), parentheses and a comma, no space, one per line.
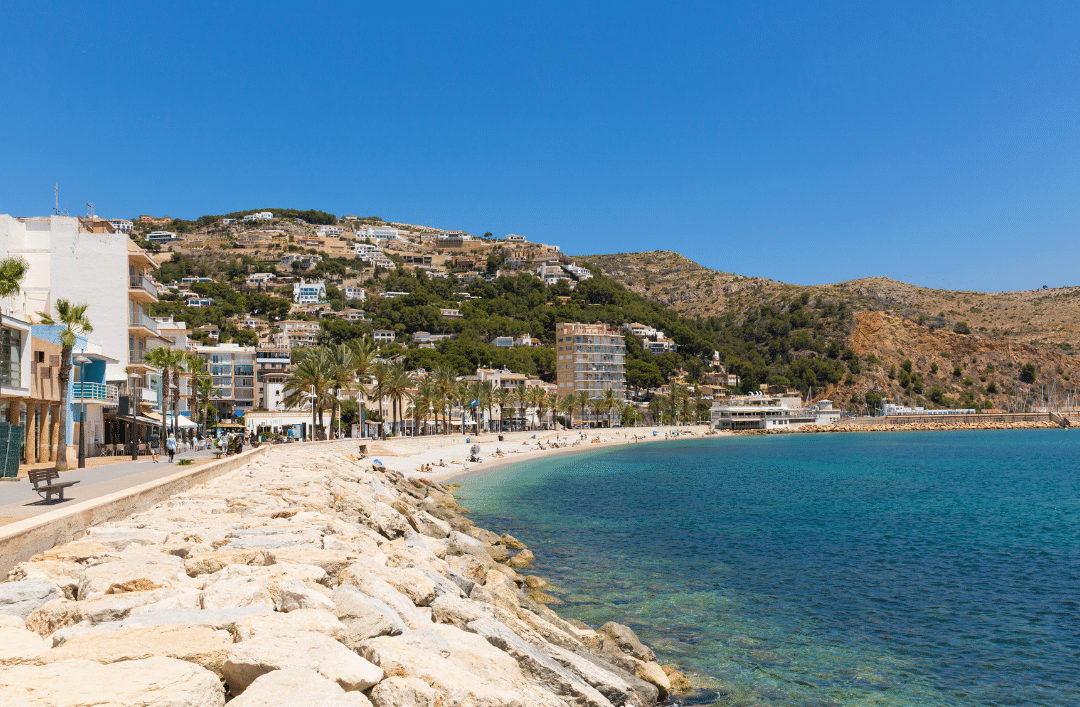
(961,345)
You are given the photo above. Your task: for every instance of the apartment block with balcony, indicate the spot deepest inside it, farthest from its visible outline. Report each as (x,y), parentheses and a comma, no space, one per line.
(590,357)
(272,367)
(233,369)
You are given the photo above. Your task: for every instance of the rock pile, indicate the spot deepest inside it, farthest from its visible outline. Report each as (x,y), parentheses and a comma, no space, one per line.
(302,579)
(913,427)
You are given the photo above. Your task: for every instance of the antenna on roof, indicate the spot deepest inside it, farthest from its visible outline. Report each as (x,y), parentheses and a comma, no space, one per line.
(56,199)
(90,210)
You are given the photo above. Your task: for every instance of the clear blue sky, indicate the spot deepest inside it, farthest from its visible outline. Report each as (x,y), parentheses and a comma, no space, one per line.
(935,143)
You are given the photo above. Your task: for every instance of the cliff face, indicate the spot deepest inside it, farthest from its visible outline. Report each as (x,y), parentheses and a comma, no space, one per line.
(892,339)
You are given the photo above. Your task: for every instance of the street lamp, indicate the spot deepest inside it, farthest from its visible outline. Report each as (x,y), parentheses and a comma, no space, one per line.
(82,361)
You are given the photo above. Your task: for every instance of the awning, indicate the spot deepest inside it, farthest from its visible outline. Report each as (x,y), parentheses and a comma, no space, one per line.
(154,416)
(184,422)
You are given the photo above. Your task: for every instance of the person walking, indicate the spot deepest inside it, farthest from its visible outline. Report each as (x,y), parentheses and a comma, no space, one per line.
(171,446)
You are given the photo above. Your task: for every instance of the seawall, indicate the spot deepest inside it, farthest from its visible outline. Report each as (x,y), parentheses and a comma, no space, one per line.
(301,573)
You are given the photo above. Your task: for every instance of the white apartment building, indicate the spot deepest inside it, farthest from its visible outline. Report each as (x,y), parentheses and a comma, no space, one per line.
(355,293)
(306,260)
(233,369)
(578,272)
(514,238)
(121,224)
(383,336)
(330,230)
(260,278)
(309,292)
(366,251)
(104,270)
(260,216)
(378,232)
(162,237)
(297,332)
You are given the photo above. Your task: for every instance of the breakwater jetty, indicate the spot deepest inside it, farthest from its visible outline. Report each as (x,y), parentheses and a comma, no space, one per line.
(304,577)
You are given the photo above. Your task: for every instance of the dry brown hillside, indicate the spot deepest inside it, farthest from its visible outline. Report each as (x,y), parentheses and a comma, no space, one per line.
(1049,316)
(893,323)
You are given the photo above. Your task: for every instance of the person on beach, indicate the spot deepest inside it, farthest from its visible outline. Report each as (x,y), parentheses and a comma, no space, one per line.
(171,446)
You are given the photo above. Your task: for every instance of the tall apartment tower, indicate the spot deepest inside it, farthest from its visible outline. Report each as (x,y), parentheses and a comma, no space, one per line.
(590,357)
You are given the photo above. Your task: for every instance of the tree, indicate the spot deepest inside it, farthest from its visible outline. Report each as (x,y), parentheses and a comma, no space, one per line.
(582,400)
(72,317)
(363,352)
(340,374)
(1027,373)
(521,399)
(169,361)
(12,272)
(501,396)
(962,328)
(308,381)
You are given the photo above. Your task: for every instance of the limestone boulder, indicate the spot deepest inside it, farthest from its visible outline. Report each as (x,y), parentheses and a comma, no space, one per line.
(17,645)
(389,522)
(461,544)
(21,598)
(622,638)
(365,616)
(498,553)
(12,621)
(332,562)
(404,692)
(63,574)
(384,592)
(522,559)
(236,592)
(297,687)
(196,644)
(223,619)
(651,672)
(459,612)
(297,595)
(462,668)
(121,538)
(151,682)
(250,659)
(159,571)
(277,623)
(538,664)
(210,562)
(618,690)
(511,542)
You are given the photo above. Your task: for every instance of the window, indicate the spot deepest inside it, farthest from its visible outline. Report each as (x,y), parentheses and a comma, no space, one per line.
(10,364)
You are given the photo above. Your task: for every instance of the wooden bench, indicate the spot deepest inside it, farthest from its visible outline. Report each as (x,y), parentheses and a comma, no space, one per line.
(43,481)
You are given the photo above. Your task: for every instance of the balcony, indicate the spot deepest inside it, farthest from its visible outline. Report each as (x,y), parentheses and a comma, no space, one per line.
(142,289)
(146,396)
(96,393)
(138,320)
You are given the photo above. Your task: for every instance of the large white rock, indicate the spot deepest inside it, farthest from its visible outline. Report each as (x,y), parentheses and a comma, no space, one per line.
(197,644)
(296,595)
(388,521)
(21,598)
(297,687)
(277,624)
(161,571)
(121,538)
(379,589)
(250,659)
(365,616)
(404,692)
(152,682)
(463,668)
(237,592)
(17,645)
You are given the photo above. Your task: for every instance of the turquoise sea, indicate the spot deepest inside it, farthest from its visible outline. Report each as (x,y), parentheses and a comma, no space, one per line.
(938,568)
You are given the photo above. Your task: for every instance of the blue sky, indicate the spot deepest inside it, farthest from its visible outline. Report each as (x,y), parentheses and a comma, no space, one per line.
(935,143)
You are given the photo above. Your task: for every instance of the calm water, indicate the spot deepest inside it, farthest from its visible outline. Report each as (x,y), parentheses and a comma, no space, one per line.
(874,569)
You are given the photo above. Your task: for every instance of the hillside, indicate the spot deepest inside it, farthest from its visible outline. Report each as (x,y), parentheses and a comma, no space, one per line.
(891,323)
(1050,316)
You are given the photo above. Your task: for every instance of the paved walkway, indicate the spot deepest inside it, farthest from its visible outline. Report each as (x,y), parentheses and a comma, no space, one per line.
(18,500)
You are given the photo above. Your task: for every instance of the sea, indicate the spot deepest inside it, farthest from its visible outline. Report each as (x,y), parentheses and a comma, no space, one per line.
(915,568)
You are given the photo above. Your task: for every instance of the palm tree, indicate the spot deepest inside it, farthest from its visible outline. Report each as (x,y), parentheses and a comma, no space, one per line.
(582,400)
(444,381)
(521,398)
(423,401)
(12,272)
(166,359)
(204,385)
(610,402)
(536,400)
(552,404)
(308,381)
(73,318)
(487,400)
(566,407)
(363,350)
(380,373)
(340,374)
(461,397)
(398,385)
(476,390)
(501,397)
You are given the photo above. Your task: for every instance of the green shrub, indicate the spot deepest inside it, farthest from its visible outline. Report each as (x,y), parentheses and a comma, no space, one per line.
(1027,373)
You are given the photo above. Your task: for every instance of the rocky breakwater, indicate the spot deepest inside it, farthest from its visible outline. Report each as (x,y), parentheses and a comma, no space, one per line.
(304,578)
(913,427)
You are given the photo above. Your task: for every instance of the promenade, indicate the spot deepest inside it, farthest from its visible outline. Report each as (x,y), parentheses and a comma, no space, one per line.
(18,500)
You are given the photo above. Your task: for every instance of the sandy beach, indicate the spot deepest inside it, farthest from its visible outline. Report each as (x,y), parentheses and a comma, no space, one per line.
(408,455)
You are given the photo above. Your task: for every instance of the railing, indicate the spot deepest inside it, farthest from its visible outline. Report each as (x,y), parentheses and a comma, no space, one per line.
(136,356)
(139,282)
(244,371)
(146,395)
(141,320)
(96,391)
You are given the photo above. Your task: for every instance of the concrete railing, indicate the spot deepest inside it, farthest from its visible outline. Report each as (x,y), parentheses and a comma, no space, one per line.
(23,539)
